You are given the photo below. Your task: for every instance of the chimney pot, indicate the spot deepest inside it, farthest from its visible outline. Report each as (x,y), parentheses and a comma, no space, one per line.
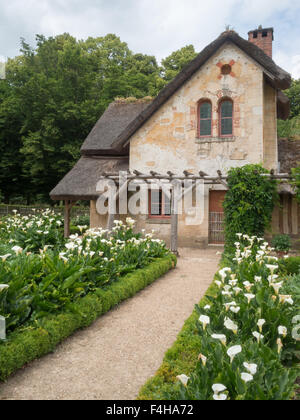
(263,38)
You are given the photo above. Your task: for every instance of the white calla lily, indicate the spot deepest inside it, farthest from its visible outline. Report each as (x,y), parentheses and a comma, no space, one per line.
(234,351)
(183,379)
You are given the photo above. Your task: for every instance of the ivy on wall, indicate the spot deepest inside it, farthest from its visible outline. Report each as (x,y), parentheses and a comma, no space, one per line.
(249,203)
(296,181)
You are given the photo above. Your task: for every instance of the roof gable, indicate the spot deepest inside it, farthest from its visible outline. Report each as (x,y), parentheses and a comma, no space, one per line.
(278,77)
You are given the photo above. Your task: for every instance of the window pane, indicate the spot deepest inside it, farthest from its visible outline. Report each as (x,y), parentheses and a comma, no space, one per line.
(167,209)
(205,127)
(205,110)
(156,203)
(226,126)
(226,109)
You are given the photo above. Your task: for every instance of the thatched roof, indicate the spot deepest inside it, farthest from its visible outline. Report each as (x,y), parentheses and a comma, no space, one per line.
(288,154)
(112,123)
(278,78)
(80,183)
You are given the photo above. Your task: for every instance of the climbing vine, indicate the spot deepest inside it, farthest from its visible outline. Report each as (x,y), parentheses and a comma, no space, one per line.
(296,181)
(249,203)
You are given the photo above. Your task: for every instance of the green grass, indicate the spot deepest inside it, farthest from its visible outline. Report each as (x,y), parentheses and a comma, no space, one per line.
(26,345)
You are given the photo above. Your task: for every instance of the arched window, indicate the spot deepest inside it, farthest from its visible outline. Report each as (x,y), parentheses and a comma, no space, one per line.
(204,119)
(226,118)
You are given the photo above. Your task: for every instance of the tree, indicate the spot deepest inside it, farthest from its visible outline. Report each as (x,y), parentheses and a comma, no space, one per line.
(175,62)
(53,95)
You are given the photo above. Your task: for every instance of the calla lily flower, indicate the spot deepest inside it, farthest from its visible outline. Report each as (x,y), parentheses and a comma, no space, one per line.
(272,268)
(261,323)
(246,377)
(249,296)
(17,250)
(203,359)
(220,397)
(282,331)
(230,325)
(205,320)
(183,379)
(3,287)
(248,286)
(258,336)
(277,287)
(235,309)
(251,367)
(220,337)
(233,351)
(217,388)
(4,257)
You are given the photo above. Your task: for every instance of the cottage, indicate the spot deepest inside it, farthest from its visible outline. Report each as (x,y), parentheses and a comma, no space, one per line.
(220,112)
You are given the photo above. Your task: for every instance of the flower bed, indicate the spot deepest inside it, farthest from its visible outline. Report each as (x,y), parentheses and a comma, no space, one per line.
(27,344)
(240,343)
(41,273)
(50,287)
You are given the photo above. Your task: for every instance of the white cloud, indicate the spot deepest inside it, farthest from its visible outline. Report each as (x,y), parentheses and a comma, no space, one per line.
(289,63)
(155,27)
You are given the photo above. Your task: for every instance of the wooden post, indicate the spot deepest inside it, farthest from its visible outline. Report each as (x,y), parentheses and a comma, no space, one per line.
(67,219)
(174,221)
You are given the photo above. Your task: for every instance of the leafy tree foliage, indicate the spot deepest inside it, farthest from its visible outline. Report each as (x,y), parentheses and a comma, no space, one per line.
(291,127)
(173,64)
(52,96)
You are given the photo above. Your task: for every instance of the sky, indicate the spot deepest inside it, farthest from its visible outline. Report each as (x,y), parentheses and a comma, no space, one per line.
(154,27)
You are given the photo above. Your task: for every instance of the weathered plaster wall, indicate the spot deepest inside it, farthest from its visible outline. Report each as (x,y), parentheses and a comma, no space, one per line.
(169,139)
(270,127)
(96,219)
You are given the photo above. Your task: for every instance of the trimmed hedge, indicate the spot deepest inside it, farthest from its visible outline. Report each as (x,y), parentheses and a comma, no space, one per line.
(27,345)
(181,357)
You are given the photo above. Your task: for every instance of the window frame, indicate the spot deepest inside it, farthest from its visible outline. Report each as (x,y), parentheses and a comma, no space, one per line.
(163,202)
(199,119)
(220,118)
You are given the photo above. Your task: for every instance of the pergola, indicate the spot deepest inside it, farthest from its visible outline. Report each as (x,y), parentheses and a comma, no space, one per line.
(174,180)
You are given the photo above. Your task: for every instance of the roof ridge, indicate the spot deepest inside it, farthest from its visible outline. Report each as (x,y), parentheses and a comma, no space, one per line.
(282,78)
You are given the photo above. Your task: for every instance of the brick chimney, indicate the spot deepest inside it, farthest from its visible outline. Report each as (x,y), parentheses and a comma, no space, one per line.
(262,38)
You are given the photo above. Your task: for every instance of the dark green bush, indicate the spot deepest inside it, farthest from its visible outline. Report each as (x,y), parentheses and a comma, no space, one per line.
(249,202)
(282,243)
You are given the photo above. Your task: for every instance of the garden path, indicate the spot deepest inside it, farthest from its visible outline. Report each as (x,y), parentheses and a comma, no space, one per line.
(115,356)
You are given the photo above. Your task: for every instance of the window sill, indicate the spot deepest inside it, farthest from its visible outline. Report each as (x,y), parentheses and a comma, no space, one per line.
(214,139)
(158,221)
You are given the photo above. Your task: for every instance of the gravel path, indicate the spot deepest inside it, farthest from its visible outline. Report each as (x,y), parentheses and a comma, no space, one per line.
(114,357)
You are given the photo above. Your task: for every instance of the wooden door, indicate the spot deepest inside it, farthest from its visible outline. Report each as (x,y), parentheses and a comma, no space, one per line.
(216,217)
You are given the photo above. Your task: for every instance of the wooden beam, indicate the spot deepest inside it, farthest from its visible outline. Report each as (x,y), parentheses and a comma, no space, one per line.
(174,220)
(67,214)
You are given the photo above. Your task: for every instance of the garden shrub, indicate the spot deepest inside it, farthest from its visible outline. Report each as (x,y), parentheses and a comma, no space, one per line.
(249,203)
(281,243)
